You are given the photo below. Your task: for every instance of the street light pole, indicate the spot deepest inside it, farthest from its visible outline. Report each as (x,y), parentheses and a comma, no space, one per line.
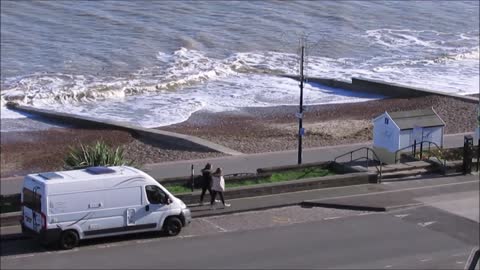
(300,116)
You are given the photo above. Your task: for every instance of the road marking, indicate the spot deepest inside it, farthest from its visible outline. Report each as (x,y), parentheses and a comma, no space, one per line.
(108,245)
(328,218)
(425,260)
(67,251)
(425,224)
(279,219)
(216,226)
(388,266)
(145,241)
(402,216)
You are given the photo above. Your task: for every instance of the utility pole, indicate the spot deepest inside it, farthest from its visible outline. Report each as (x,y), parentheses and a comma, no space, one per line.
(300,113)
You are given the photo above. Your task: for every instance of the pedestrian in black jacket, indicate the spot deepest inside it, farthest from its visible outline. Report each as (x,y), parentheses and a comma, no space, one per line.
(206,181)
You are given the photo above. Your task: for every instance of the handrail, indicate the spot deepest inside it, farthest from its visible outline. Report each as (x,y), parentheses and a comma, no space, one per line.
(368,149)
(414,144)
(442,162)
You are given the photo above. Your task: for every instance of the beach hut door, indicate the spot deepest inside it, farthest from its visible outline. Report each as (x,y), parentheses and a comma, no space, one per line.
(416,135)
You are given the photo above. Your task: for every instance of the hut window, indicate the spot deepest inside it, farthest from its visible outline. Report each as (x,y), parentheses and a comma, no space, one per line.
(386,121)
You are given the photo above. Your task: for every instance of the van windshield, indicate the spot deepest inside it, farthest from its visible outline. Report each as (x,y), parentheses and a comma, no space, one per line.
(32,200)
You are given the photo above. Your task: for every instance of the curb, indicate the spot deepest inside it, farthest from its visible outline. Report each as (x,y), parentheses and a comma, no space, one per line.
(344,206)
(357,207)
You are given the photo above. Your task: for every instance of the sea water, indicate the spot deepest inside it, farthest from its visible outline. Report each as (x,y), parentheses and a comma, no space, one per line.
(154,63)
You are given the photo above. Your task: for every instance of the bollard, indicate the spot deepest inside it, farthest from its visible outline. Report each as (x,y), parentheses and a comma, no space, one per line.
(467,154)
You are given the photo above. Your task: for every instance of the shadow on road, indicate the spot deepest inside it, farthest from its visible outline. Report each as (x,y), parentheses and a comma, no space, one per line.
(30,245)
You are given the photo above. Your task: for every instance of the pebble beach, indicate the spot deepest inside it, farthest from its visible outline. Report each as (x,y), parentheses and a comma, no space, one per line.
(247,130)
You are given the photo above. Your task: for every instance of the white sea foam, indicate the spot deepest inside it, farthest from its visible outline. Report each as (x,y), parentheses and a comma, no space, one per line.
(398,38)
(187,81)
(153,110)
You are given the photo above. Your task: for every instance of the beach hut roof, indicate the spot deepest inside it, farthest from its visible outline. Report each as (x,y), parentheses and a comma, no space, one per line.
(420,118)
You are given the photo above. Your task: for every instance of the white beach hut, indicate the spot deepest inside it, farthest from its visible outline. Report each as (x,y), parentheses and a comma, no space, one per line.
(393,131)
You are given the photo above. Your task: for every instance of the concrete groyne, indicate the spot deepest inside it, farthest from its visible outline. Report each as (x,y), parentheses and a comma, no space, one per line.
(382,88)
(175,140)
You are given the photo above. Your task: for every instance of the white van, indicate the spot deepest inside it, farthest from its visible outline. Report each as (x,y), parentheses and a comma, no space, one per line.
(67,206)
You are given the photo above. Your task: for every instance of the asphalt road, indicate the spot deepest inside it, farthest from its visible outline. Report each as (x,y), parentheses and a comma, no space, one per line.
(440,234)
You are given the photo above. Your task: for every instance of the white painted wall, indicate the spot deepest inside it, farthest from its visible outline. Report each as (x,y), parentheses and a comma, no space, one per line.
(385,135)
(433,134)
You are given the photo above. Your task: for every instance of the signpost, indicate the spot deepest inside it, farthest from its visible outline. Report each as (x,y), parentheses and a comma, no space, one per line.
(302,132)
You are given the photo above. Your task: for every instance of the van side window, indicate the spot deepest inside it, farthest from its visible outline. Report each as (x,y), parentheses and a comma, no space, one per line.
(155,195)
(32,200)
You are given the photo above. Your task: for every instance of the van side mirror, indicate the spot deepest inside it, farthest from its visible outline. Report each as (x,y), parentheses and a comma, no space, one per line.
(147,207)
(166,200)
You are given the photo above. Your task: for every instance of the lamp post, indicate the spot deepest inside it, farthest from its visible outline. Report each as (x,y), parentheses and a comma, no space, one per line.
(300,111)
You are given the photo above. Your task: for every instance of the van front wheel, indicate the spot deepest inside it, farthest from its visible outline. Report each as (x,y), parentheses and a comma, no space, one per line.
(172,226)
(69,239)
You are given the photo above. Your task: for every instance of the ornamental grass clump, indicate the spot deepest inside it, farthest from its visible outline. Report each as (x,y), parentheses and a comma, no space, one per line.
(98,154)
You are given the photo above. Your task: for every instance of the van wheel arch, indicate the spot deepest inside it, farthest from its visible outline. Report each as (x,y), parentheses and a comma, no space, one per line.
(172,225)
(69,239)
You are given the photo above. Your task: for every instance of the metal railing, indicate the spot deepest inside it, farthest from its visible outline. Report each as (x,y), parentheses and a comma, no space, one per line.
(413,147)
(379,168)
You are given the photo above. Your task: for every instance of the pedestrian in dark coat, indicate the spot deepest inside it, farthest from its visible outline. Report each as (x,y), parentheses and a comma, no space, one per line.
(206,181)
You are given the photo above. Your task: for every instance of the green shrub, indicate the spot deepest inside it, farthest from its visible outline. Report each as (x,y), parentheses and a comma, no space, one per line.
(98,154)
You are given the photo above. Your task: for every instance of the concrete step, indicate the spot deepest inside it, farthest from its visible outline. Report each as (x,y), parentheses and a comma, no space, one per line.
(405,166)
(405,173)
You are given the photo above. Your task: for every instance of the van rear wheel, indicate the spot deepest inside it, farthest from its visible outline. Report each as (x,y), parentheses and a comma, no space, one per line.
(68,239)
(172,226)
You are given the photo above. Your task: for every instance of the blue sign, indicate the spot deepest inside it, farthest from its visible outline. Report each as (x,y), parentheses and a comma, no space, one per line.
(302,132)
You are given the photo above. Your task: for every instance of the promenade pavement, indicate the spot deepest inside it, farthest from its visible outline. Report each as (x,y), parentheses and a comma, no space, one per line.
(247,163)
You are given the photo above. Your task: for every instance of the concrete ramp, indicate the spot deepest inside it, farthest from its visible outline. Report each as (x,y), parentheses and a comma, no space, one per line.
(175,140)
